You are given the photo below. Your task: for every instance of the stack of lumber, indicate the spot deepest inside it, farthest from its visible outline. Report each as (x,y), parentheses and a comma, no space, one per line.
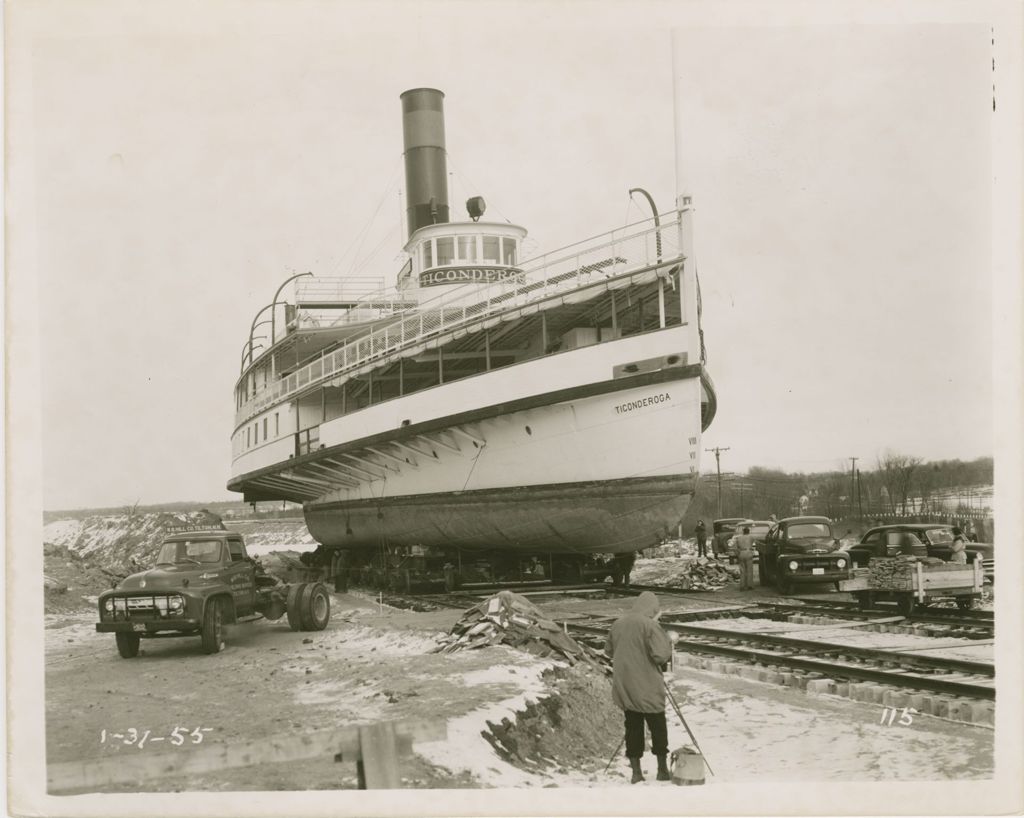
(511,619)
(892,573)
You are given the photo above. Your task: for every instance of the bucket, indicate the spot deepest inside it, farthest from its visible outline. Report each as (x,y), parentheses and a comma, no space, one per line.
(687,767)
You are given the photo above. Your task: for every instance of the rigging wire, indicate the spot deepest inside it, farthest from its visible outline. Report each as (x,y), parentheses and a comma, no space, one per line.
(354,248)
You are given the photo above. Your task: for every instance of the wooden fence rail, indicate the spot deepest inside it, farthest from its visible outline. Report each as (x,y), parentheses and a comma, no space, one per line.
(374,748)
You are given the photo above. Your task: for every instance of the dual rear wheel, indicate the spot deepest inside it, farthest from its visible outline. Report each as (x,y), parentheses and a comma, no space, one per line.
(309,607)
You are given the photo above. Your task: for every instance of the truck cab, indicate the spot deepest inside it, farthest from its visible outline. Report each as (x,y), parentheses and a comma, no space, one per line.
(798,550)
(203,579)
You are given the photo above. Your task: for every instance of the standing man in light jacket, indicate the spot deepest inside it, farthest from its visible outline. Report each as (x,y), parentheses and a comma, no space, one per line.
(745,554)
(639,648)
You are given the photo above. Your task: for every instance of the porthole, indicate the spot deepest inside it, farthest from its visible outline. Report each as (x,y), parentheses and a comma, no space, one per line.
(672,359)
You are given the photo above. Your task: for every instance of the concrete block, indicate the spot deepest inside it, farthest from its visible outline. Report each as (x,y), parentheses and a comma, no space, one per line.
(887,698)
(917,701)
(818,687)
(773,677)
(748,672)
(787,679)
(842,689)
(983,713)
(900,699)
(878,693)
(940,707)
(963,710)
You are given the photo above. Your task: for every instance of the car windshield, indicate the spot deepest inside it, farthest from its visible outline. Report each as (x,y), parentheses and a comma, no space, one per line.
(940,536)
(185,551)
(803,530)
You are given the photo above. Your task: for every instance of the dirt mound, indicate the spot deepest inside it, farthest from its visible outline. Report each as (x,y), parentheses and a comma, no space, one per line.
(120,543)
(70,580)
(576,728)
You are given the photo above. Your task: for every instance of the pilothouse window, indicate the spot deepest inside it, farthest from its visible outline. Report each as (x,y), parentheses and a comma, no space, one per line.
(428,255)
(445,251)
(467,248)
(508,249)
(491,251)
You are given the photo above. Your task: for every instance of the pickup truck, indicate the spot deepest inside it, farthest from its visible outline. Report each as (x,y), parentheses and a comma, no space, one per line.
(203,579)
(799,550)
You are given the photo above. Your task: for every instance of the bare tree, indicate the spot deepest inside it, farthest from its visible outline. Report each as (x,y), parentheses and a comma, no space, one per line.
(897,476)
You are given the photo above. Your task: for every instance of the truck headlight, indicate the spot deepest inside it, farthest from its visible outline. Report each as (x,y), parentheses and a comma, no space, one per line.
(108,605)
(793,565)
(175,603)
(840,563)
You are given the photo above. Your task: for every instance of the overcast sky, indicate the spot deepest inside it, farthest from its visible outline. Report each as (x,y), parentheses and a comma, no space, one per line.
(184,164)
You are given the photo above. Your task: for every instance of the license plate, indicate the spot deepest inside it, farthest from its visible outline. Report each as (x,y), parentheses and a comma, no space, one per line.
(817,570)
(138,626)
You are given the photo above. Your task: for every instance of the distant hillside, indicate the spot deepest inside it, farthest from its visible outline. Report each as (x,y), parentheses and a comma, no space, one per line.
(228,509)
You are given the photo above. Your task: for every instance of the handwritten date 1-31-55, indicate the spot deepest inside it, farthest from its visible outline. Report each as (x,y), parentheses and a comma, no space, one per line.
(139,738)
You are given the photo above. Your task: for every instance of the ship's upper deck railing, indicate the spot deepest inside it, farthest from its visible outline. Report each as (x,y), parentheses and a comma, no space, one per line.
(616,253)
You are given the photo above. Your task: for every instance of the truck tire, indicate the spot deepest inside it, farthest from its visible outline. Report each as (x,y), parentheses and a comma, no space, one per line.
(213,626)
(964,603)
(127,644)
(863,600)
(305,597)
(316,609)
(294,607)
(785,586)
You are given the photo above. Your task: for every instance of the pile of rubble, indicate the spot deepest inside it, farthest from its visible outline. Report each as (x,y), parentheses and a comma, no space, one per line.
(700,574)
(511,619)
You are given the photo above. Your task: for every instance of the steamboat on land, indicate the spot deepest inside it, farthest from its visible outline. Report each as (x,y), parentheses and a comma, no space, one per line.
(486,417)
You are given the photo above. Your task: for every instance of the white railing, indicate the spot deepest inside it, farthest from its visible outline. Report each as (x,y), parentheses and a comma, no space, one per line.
(609,255)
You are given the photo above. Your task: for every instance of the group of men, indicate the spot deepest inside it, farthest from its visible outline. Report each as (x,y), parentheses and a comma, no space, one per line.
(745,552)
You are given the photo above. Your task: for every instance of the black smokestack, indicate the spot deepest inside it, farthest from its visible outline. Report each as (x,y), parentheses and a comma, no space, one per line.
(426,172)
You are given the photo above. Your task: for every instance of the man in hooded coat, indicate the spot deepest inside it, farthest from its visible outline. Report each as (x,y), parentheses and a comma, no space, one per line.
(638,648)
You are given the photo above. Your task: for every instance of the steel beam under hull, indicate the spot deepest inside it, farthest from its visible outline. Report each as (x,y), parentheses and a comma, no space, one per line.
(605,516)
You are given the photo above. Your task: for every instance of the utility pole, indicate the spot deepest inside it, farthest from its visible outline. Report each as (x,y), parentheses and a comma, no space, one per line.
(718,469)
(860,499)
(853,481)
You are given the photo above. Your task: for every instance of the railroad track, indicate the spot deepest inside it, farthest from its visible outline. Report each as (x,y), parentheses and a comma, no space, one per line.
(948,675)
(968,624)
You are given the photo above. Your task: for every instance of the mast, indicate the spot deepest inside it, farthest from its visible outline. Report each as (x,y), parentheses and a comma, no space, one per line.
(685,207)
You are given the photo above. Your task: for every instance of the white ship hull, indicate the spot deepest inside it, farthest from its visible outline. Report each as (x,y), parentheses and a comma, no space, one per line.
(568,453)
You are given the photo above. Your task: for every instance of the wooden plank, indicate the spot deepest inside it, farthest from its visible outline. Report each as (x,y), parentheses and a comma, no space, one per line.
(379,764)
(124,768)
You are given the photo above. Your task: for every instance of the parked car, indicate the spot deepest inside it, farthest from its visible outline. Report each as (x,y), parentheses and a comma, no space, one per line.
(721,531)
(799,550)
(758,530)
(920,539)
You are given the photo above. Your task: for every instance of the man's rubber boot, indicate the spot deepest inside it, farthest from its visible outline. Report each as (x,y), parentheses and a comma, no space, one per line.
(663,773)
(638,774)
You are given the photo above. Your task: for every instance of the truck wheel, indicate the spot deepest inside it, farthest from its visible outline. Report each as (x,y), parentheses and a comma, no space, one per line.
(294,608)
(316,610)
(127,644)
(863,600)
(905,604)
(964,603)
(213,627)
